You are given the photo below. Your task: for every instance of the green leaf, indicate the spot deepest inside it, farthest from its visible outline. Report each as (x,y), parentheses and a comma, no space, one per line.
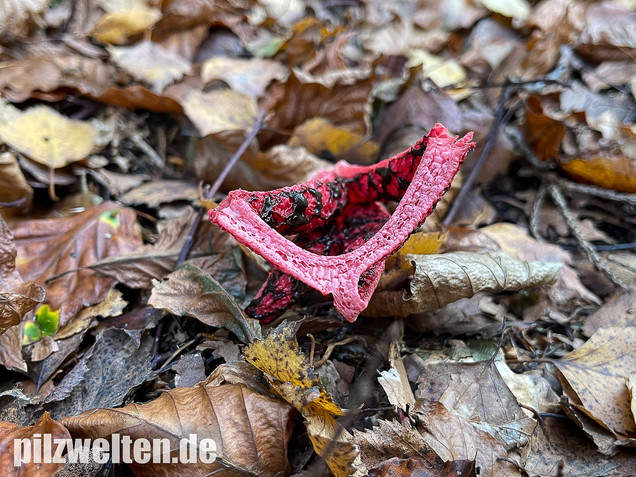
(31,333)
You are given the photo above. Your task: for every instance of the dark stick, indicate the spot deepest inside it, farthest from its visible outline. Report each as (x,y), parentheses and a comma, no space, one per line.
(189,242)
(490,141)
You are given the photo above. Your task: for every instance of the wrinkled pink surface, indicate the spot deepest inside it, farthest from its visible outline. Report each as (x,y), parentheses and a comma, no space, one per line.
(340,274)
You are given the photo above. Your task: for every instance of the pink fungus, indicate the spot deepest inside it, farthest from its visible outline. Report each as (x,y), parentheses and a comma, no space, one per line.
(340,233)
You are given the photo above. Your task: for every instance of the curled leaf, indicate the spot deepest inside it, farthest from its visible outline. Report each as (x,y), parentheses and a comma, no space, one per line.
(445,278)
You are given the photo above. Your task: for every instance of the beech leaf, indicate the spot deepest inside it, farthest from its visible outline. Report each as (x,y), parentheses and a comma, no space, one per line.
(251,431)
(445,278)
(193,292)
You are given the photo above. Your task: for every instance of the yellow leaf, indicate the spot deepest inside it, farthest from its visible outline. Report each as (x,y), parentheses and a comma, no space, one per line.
(517,9)
(48,137)
(124,18)
(319,136)
(279,356)
(220,110)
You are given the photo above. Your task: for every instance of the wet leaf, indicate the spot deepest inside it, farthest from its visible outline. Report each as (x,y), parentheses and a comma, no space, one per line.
(17,297)
(191,291)
(45,426)
(442,279)
(251,431)
(595,375)
(49,247)
(13,185)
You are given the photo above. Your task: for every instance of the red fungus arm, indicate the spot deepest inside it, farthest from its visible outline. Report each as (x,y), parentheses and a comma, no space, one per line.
(421,175)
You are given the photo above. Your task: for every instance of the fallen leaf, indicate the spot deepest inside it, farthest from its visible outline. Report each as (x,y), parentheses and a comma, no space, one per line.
(191,291)
(45,426)
(453,438)
(414,466)
(594,377)
(116,364)
(49,247)
(48,137)
(610,172)
(292,102)
(13,186)
(155,193)
(280,166)
(250,76)
(220,110)
(16,17)
(124,18)
(516,9)
(292,377)
(542,133)
(251,431)
(445,278)
(395,382)
(617,311)
(17,297)
(11,349)
(147,61)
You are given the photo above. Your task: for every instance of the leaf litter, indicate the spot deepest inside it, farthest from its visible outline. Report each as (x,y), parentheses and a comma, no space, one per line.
(498,336)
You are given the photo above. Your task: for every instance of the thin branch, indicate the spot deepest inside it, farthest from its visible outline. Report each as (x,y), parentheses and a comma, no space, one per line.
(189,242)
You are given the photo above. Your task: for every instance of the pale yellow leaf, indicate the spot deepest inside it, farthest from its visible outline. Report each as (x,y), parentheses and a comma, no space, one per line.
(517,9)
(220,110)
(122,19)
(150,62)
(250,76)
(48,137)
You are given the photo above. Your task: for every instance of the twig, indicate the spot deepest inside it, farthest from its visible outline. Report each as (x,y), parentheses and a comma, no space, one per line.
(189,242)
(490,141)
(592,255)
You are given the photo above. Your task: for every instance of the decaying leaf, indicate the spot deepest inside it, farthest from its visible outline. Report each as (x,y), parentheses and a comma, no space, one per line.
(10,433)
(395,382)
(48,137)
(250,76)
(251,431)
(17,297)
(442,279)
(49,247)
(14,188)
(595,377)
(191,291)
(292,377)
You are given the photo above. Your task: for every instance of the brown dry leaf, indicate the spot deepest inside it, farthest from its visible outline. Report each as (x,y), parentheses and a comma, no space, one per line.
(292,377)
(542,133)
(48,137)
(17,297)
(17,16)
(112,305)
(278,167)
(568,291)
(395,381)
(150,62)
(140,97)
(608,33)
(392,439)
(477,392)
(292,102)
(416,467)
(45,426)
(445,278)
(454,438)
(220,110)
(619,311)
(22,79)
(157,192)
(251,431)
(320,137)
(250,76)
(48,247)
(191,291)
(594,377)
(124,18)
(13,185)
